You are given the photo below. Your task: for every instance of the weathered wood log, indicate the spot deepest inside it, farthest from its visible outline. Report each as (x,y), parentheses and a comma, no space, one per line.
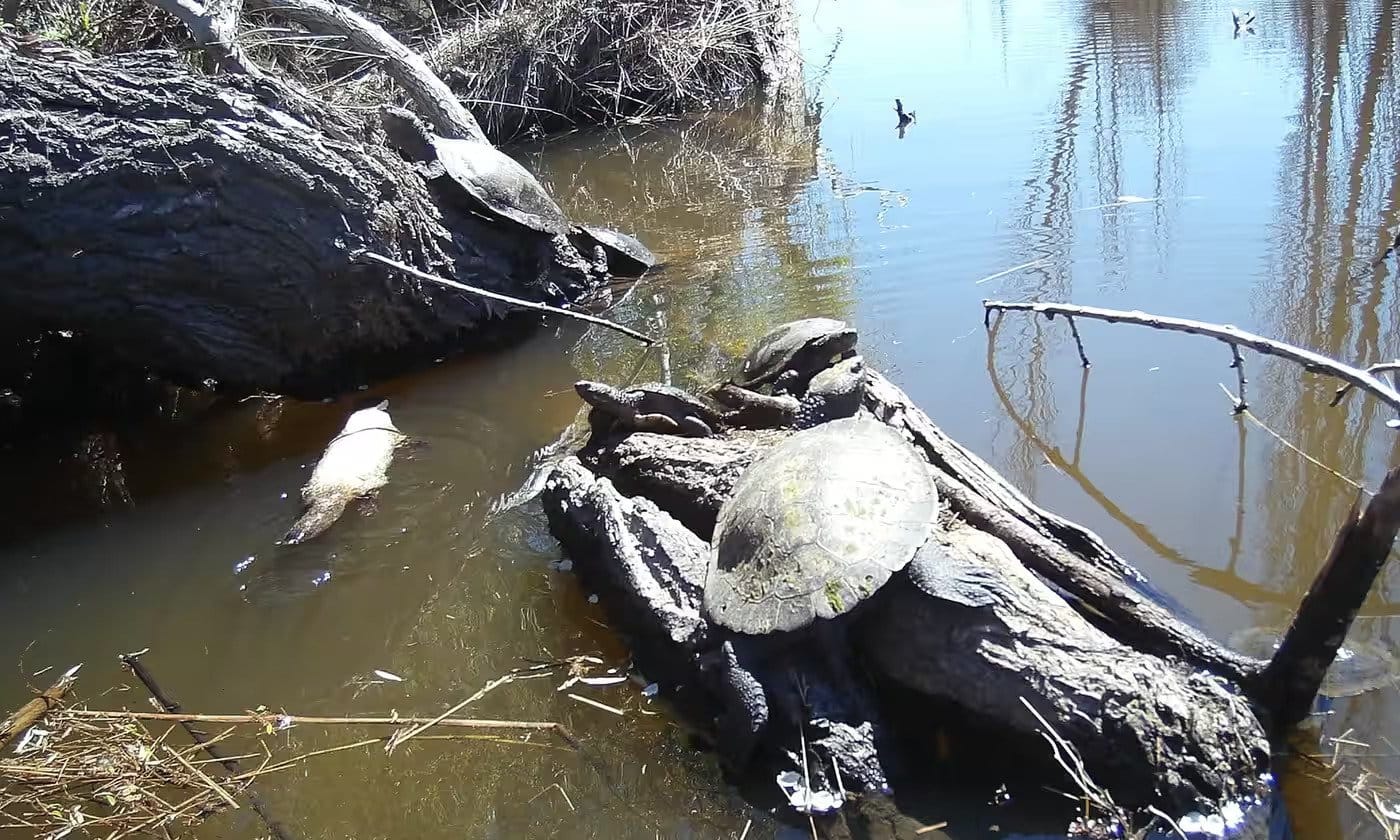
(204,228)
(1320,625)
(1148,730)
(33,711)
(1068,555)
(1152,730)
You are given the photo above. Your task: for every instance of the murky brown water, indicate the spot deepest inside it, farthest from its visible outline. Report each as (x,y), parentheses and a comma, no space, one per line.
(1136,153)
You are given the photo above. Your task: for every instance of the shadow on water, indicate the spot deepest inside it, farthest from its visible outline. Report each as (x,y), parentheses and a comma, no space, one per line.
(1130,154)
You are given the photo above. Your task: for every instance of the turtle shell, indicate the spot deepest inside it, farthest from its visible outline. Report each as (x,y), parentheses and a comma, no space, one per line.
(785,342)
(1359,666)
(499,184)
(816,525)
(627,257)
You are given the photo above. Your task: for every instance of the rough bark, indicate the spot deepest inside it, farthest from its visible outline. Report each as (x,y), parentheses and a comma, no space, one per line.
(1066,554)
(1320,625)
(1151,730)
(1148,730)
(204,227)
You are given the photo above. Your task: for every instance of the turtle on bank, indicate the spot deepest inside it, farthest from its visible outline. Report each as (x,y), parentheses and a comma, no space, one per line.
(626,257)
(836,391)
(479,177)
(476,175)
(813,529)
(1359,666)
(788,356)
(649,407)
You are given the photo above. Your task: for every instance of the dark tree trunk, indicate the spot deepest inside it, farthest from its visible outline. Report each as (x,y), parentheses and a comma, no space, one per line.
(205,228)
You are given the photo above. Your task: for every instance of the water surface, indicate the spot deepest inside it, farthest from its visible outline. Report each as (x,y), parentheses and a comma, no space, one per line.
(1126,154)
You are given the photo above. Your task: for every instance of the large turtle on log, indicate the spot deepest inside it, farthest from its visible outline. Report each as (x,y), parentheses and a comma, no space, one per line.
(813,529)
(480,178)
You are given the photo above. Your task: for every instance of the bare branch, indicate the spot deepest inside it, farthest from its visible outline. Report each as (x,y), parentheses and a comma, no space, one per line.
(1382,367)
(214,26)
(430,93)
(1320,625)
(1078,342)
(1234,336)
(513,301)
(1241,404)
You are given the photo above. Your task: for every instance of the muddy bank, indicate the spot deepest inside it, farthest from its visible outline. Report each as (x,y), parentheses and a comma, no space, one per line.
(209,229)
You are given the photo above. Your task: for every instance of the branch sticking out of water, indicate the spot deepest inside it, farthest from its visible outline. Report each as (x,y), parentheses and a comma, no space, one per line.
(513,301)
(1231,335)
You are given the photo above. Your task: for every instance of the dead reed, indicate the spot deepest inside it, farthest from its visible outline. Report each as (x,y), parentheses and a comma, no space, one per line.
(114,774)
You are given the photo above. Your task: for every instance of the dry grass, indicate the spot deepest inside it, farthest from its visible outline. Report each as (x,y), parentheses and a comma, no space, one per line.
(114,774)
(523,67)
(533,66)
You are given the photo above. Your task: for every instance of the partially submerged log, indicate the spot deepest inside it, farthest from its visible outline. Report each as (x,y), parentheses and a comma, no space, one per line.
(1154,731)
(33,711)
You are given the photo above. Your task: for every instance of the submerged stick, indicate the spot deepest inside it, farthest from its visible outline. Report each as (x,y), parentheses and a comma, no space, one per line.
(1327,610)
(514,301)
(33,711)
(313,720)
(230,764)
(1234,336)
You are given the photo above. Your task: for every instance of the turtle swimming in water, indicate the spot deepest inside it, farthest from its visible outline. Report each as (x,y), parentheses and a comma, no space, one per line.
(812,530)
(1358,667)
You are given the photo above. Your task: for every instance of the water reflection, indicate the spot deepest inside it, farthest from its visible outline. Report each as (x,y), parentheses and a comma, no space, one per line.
(1131,154)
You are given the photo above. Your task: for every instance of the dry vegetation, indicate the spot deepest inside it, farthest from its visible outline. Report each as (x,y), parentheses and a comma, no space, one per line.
(524,67)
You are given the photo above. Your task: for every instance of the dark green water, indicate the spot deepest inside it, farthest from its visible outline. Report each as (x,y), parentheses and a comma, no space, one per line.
(1126,154)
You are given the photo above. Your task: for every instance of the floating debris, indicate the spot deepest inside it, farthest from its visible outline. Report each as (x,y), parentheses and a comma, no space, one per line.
(592,599)
(564,565)
(651,690)
(614,680)
(386,675)
(802,799)
(595,704)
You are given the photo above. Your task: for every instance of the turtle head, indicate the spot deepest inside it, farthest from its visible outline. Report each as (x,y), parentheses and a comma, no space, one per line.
(598,394)
(407,133)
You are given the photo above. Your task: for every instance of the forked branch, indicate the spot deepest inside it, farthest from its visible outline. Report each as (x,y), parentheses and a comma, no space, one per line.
(1313,362)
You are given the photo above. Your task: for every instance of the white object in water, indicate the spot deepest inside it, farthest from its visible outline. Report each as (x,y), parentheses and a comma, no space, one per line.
(385,675)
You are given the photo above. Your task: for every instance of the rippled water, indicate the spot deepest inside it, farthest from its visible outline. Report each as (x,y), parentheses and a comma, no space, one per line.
(1125,154)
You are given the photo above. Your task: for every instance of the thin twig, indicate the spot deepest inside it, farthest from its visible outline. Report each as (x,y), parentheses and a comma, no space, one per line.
(514,301)
(1253,418)
(1309,360)
(1345,388)
(1078,342)
(1237,362)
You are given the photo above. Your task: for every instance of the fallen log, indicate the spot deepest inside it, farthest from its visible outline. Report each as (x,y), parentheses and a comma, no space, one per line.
(204,228)
(1156,731)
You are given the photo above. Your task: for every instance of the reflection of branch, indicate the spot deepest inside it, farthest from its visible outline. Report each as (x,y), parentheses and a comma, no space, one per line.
(1230,335)
(1227,581)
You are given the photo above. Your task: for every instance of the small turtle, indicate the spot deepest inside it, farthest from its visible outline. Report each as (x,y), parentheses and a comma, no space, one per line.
(650,407)
(790,354)
(626,257)
(813,529)
(1359,666)
(833,393)
(478,175)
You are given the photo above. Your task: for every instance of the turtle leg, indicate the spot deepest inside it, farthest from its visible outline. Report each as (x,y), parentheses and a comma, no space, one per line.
(786,382)
(602,423)
(692,426)
(656,423)
(745,711)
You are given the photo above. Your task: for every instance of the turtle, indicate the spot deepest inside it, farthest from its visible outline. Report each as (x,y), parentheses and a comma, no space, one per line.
(649,407)
(476,175)
(816,525)
(812,530)
(788,356)
(1358,667)
(625,256)
(834,392)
